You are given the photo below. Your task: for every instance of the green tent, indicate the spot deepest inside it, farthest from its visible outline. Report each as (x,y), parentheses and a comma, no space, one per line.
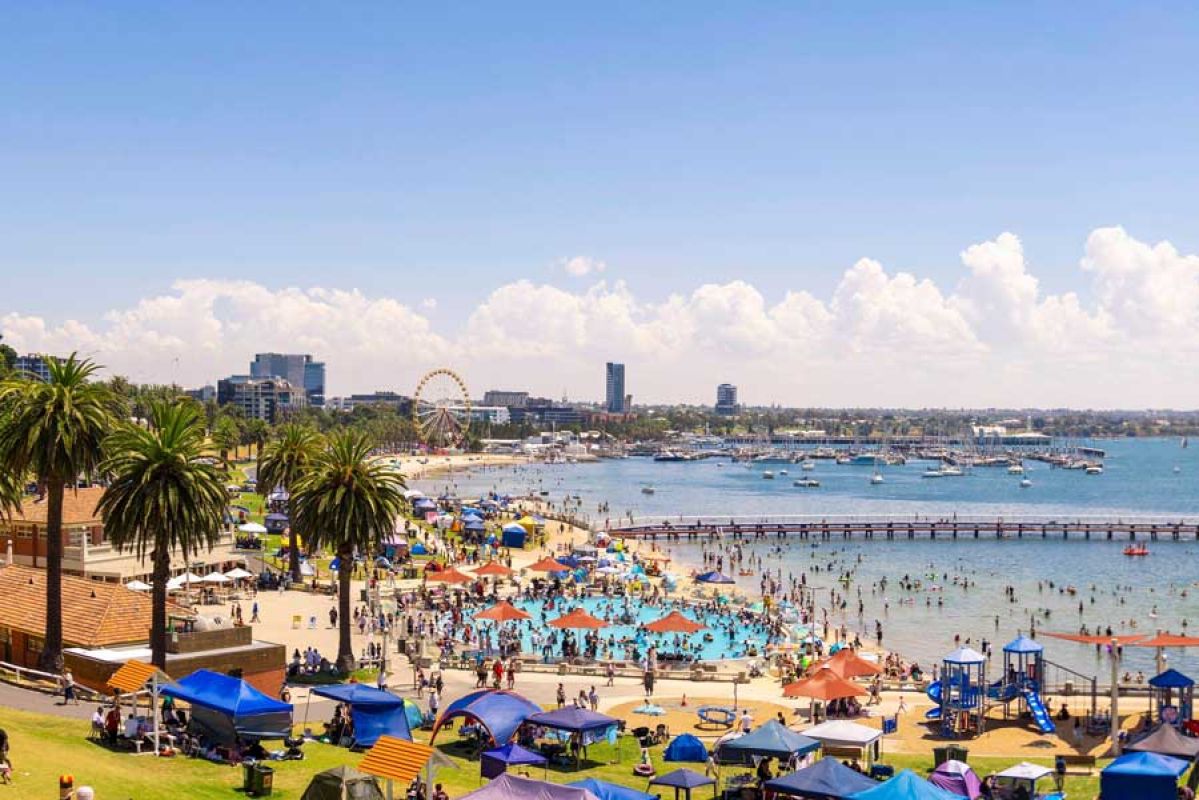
(343,783)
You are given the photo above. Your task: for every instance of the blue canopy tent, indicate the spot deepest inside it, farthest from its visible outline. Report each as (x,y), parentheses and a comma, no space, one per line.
(610,791)
(496,762)
(686,747)
(1142,776)
(714,577)
(424,504)
(685,780)
(275,523)
(374,712)
(771,739)
(906,785)
(590,726)
(419,549)
(470,511)
(474,524)
(514,535)
(497,713)
(226,708)
(827,779)
(511,787)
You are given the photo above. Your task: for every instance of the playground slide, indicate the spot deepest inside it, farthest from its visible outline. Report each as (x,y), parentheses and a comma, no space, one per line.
(1040,714)
(934,693)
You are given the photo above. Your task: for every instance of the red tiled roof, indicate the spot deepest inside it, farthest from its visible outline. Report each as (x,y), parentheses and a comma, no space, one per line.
(78,507)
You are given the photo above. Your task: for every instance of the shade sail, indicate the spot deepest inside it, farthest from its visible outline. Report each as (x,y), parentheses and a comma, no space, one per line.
(1167,741)
(686,747)
(1083,638)
(133,675)
(578,618)
(374,712)
(498,713)
(823,685)
(610,791)
(827,778)
(573,719)
(493,569)
(496,762)
(512,787)
(228,708)
(1168,640)
(846,663)
(502,612)
(674,622)
(771,739)
(906,785)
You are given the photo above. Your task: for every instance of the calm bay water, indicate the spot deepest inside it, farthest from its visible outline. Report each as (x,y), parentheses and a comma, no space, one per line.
(1157,592)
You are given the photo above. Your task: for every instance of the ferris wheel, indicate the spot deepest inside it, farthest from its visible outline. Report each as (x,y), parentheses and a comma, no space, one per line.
(441,408)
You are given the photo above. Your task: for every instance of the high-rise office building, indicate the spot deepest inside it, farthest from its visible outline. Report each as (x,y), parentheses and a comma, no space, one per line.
(298,369)
(268,398)
(504,397)
(35,365)
(726,400)
(614,389)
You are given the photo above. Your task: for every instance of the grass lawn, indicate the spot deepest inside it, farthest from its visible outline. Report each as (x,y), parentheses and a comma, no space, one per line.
(43,747)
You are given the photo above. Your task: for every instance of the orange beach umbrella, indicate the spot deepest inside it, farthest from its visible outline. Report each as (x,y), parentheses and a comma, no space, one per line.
(502,612)
(823,685)
(450,575)
(674,622)
(548,564)
(578,618)
(845,663)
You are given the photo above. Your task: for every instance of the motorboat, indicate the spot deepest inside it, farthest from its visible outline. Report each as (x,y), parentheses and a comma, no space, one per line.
(1094,469)
(806,483)
(648,490)
(808,466)
(782,472)
(950,471)
(1025,483)
(1015,469)
(933,473)
(1136,550)
(768,475)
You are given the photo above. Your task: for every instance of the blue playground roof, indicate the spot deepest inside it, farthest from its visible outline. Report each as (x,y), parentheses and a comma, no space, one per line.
(1022,644)
(1171,679)
(964,655)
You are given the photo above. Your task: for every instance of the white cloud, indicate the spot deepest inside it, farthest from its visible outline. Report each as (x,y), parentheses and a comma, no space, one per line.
(880,338)
(581,266)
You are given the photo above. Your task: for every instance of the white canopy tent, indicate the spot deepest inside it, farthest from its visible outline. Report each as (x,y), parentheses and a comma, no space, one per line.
(215,577)
(843,733)
(180,581)
(252,527)
(138,586)
(237,574)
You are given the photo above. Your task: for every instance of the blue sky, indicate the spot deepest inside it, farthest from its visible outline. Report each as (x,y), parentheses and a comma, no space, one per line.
(446,150)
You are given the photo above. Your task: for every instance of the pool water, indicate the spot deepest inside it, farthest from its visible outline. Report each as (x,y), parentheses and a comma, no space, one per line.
(746,635)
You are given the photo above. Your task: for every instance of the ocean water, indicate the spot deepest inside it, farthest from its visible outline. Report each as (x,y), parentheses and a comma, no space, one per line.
(1129,594)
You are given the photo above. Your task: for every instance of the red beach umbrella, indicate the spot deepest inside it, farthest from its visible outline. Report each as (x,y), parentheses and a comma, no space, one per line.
(845,663)
(674,622)
(494,568)
(548,564)
(823,685)
(450,575)
(502,612)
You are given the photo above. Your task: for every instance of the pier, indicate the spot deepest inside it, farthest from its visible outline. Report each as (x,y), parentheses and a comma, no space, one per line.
(927,527)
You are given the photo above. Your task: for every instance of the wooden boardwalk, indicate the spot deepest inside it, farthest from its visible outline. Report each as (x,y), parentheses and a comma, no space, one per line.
(824,528)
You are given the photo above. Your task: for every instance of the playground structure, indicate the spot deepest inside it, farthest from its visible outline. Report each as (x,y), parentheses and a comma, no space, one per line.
(964,697)
(1172,697)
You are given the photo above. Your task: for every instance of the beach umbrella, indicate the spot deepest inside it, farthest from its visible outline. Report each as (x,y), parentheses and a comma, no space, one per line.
(237,573)
(215,577)
(252,527)
(450,575)
(502,612)
(138,586)
(493,568)
(823,685)
(674,622)
(846,663)
(548,564)
(714,577)
(578,618)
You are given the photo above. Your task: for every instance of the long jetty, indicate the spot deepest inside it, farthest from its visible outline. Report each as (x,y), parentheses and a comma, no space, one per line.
(927,527)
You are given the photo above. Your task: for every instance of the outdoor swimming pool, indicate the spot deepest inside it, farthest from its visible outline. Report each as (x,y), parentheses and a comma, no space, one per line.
(728,634)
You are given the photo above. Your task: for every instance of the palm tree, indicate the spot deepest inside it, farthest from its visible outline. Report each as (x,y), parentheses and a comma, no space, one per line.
(226,436)
(347,502)
(165,495)
(54,430)
(283,462)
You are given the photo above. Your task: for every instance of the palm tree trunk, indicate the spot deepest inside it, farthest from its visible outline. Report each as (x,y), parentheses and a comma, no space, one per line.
(50,659)
(293,555)
(345,650)
(158,618)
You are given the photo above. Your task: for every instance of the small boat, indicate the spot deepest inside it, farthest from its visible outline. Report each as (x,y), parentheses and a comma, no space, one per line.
(933,473)
(1094,469)
(1136,550)
(950,471)
(1177,469)
(808,466)
(806,483)
(876,479)
(768,475)
(1015,469)
(782,472)
(1025,483)
(648,490)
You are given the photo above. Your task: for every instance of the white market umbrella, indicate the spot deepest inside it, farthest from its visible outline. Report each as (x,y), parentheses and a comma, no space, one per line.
(237,573)
(252,527)
(215,577)
(138,586)
(413,494)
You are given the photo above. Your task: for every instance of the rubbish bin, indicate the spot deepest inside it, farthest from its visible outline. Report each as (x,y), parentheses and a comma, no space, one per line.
(247,783)
(264,780)
(940,756)
(955,752)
